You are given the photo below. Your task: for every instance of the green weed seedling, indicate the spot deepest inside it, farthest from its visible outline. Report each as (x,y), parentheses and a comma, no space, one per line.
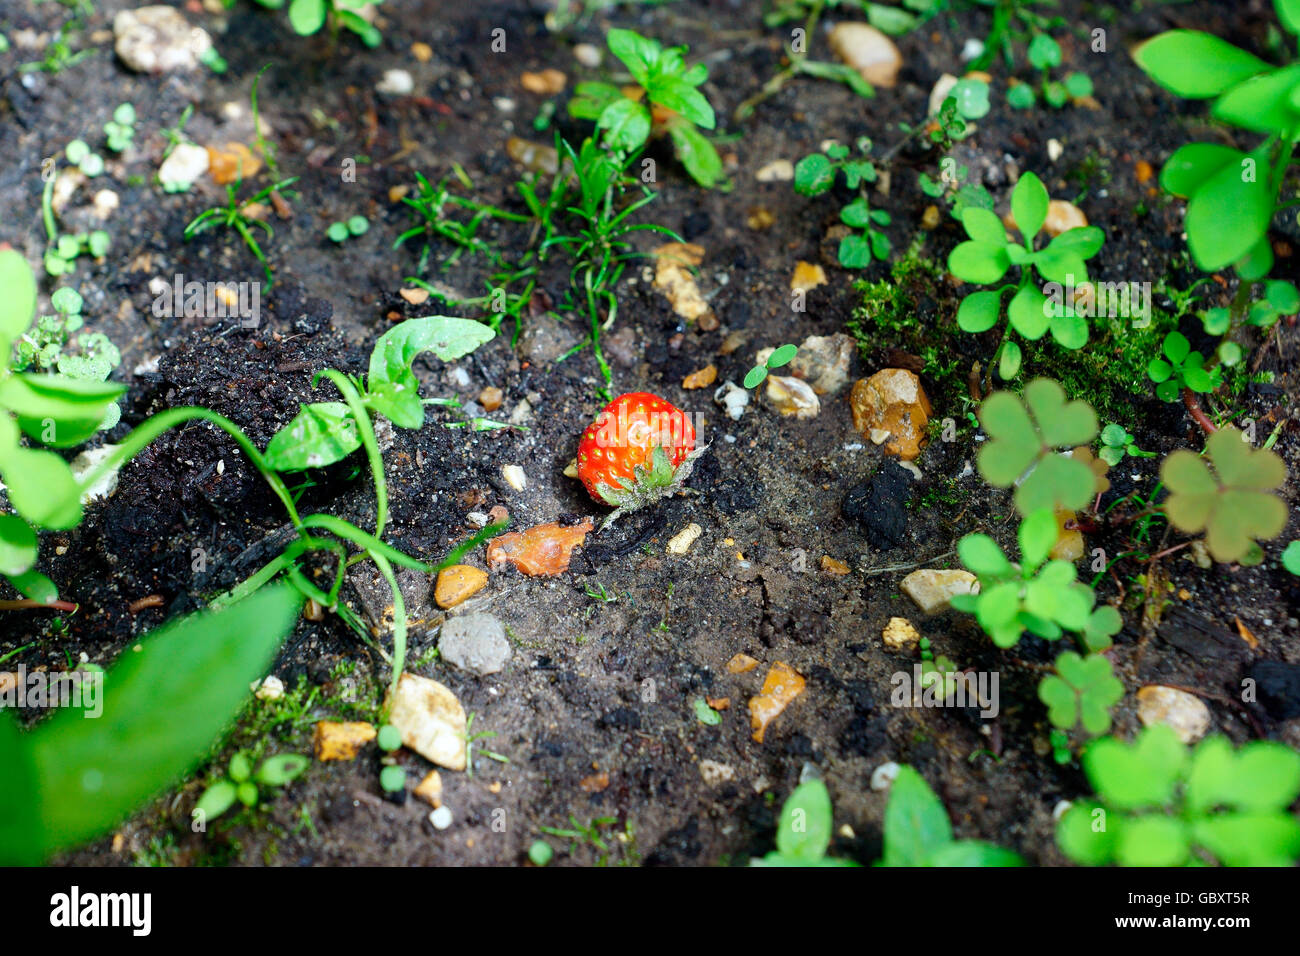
(626,124)
(240,784)
(233,216)
(1232,196)
(79,154)
(1159,806)
(1026,433)
(59,54)
(56,411)
(1044,55)
(780,357)
(887,19)
(1037,595)
(986,257)
(1181,368)
(340,232)
(1116,442)
(1233,503)
(70,779)
(918,832)
(1082,692)
(803,833)
(307,17)
(120,130)
(815,174)
(392,778)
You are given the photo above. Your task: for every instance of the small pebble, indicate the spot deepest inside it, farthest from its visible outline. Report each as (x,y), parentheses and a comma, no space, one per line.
(515,477)
(883,777)
(440,818)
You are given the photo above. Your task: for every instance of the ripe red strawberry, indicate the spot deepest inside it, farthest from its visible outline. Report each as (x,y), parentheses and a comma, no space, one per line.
(639,449)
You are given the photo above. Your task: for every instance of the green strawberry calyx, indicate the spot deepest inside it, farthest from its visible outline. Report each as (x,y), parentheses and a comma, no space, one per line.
(649,484)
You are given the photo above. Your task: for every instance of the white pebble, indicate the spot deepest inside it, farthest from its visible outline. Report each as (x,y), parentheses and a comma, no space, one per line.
(396,83)
(883,777)
(515,477)
(441,818)
(1060,809)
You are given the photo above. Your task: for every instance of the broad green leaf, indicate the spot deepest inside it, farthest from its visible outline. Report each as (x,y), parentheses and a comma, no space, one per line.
(1087,833)
(1009,359)
(979,311)
(447,337)
(982,556)
(1196,65)
(804,831)
(970,853)
(1152,841)
(980,262)
(626,124)
(321,434)
(279,770)
(17,545)
(916,823)
(636,52)
(1144,774)
(1229,213)
(1262,103)
(1037,536)
(1070,330)
(216,800)
(22,836)
(1029,204)
(57,410)
(1015,442)
(1028,312)
(18,303)
(983,226)
(696,154)
(163,708)
(680,97)
(1250,839)
(592,99)
(398,401)
(813,175)
(1288,12)
(855,252)
(42,489)
(1193,164)
(1061,423)
(307,16)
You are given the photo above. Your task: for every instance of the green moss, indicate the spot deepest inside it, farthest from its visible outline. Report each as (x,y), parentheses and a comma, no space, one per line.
(1110,372)
(889,316)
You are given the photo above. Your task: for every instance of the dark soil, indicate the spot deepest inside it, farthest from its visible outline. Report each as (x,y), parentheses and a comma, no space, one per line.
(770,492)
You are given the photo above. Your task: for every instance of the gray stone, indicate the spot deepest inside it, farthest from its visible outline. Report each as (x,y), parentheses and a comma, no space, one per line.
(476,643)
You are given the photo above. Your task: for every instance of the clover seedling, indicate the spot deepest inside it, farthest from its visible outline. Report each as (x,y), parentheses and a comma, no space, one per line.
(669,85)
(804,830)
(341,231)
(79,154)
(540,853)
(1082,691)
(779,357)
(1038,595)
(1233,503)
(1116,442)
(815,174)
(1045,55)
(1026,434)
(986,257)
(1159,807)
(918,832)
(1181,368)
(241,783)
(120,130)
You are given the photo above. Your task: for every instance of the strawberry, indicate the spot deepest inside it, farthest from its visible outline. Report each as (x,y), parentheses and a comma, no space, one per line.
(639,449)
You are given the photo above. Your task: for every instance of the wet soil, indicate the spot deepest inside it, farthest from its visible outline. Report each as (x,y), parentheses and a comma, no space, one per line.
(607,687)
